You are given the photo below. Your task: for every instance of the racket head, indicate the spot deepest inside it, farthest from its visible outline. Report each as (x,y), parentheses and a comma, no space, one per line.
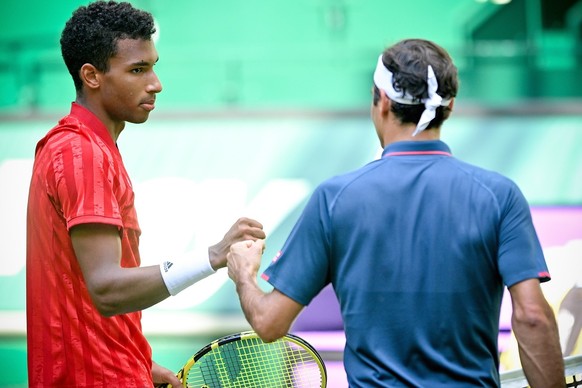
(244,360)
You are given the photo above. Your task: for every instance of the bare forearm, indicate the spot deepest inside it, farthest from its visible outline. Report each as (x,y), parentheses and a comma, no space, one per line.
(253,303)
(269,314)
(534,325)
(113,288)
(130,289)
(539,351)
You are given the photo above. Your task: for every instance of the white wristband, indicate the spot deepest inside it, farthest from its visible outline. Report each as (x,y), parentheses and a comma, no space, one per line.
(181,274)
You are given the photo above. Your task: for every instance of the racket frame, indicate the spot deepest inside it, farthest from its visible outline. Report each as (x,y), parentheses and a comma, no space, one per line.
(183,373)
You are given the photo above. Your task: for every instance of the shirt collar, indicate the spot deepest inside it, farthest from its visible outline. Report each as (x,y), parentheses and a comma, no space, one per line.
(429,147)
(87,118)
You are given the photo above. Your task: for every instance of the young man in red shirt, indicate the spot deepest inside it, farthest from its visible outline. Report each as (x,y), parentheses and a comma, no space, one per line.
(85,286)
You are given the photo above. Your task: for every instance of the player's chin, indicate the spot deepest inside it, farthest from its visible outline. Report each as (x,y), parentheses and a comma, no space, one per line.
(139,118)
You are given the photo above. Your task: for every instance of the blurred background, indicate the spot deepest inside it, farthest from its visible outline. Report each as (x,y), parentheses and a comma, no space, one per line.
(264,100)
(309,54)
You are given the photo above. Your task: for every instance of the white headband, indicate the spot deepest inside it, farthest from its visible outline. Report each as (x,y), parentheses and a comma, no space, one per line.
(383,80)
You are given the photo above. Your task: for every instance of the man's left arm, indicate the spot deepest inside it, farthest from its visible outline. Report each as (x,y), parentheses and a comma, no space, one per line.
(269,314)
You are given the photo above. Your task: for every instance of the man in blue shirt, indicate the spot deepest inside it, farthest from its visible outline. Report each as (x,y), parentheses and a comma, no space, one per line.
(418,246)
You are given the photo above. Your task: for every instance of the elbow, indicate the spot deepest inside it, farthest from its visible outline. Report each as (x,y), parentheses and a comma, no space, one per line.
(269,330)
(533,318)
(269,335)
(107,311)
(105,302)
(106,307)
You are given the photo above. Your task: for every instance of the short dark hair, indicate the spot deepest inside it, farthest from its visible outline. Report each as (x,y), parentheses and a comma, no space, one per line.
(408,61)
(92,32)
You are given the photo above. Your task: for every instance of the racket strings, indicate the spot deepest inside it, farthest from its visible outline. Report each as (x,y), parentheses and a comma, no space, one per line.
(260,364)
(290,362)
(252,363)
(574,381)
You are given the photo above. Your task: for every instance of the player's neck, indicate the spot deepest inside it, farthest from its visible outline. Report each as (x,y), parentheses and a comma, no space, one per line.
(114,127)
(404,133)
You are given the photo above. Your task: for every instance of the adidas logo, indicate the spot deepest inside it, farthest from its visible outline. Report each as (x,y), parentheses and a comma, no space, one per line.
(167,265)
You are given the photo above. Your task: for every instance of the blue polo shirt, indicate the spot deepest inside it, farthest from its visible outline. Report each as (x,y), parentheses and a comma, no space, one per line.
(418,246)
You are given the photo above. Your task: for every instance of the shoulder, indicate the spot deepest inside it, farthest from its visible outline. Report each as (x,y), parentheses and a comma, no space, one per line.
(488,178)
(349,183)
(71,135)
(61,135)
(500,188)
(71,149)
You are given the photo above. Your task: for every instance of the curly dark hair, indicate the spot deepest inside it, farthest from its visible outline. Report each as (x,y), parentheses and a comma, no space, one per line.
(408,61)
(92,32)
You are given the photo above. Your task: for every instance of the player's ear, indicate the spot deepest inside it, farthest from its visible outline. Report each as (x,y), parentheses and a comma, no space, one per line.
(452,103)
(384,102)
(90,76)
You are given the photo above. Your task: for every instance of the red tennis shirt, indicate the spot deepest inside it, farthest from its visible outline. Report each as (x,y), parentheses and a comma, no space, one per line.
(79,177)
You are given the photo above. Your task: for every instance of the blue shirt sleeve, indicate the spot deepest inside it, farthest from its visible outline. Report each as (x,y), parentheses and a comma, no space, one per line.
(520,255)
(301,268)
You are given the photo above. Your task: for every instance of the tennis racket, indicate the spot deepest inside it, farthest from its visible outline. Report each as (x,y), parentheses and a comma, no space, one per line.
(243,360)
(572,369)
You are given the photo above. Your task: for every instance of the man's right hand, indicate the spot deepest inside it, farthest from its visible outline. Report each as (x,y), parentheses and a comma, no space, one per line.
(242,230)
